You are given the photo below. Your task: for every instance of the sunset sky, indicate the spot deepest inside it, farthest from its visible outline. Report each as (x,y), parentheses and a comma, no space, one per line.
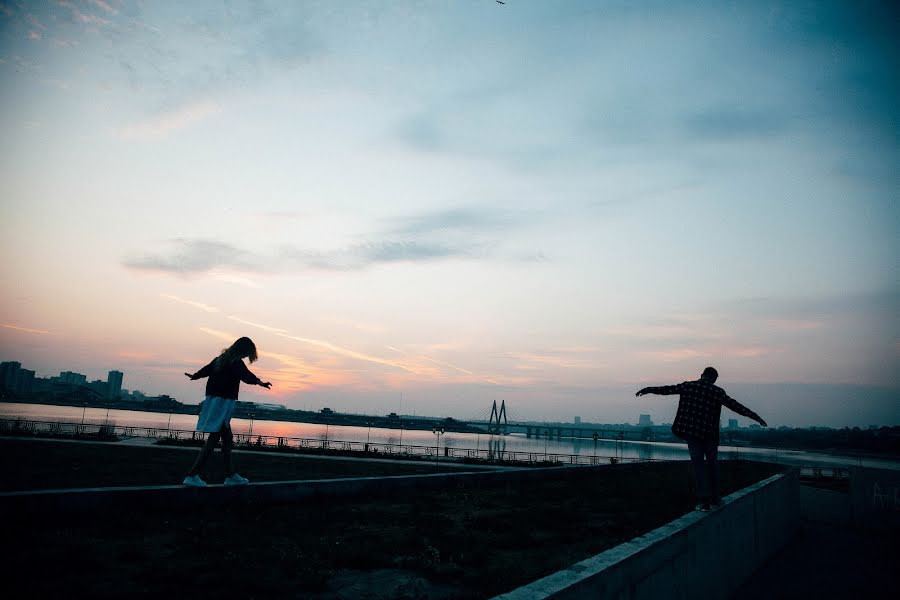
(421,206)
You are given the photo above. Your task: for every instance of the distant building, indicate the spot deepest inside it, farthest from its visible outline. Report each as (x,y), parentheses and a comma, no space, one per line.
(114,384)
(644,421)
(578,420)
(72,378)
(25,381)
(9,374)
(99,387)
(732,424)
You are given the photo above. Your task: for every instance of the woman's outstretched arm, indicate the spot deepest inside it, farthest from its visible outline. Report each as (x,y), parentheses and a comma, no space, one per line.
(204,372)
(247,376)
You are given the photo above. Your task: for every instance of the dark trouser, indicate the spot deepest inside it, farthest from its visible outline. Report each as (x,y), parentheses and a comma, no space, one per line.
(706,472)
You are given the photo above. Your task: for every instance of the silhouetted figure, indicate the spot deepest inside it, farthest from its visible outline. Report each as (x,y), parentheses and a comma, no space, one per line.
(697,423)
(225,372)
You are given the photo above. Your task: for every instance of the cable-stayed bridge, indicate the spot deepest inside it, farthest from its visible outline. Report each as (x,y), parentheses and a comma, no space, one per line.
(499,421)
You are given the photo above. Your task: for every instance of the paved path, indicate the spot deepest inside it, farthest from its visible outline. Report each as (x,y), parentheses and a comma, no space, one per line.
(830,557)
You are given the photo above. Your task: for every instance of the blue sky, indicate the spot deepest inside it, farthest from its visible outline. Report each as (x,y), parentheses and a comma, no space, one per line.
(448,203)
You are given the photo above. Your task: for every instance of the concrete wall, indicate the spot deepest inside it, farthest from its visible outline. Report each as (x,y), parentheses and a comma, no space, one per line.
(700,555)
(178,497)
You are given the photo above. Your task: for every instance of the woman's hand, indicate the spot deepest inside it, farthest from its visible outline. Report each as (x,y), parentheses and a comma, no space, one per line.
(265,384)
(190,376)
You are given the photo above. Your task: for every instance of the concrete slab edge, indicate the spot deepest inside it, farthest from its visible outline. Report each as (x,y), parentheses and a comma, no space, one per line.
(614,572)
(174,497)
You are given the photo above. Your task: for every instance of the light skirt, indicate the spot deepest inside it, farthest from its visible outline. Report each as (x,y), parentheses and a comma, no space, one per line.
(215,413)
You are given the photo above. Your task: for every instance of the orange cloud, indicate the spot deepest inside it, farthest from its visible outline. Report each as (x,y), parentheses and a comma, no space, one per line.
(25,329)
(200,305)
(257,325)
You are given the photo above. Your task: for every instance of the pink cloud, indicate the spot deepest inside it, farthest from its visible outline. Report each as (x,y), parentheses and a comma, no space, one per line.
(104,6)
(161,125)
(677,354)
(82,17)
(752,351)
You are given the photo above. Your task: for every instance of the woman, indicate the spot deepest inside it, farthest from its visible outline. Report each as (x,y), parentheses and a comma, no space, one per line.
(225,372)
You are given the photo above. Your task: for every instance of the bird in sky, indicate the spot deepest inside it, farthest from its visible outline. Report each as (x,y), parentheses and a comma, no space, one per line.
(500,2)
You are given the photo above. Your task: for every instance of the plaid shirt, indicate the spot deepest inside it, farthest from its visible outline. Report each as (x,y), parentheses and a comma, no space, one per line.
(699,408)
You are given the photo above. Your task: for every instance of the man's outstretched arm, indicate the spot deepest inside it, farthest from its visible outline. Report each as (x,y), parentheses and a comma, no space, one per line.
(663,390)
(742,410)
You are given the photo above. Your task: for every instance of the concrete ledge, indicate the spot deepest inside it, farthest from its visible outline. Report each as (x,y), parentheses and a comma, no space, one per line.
(174,497)
(700,555)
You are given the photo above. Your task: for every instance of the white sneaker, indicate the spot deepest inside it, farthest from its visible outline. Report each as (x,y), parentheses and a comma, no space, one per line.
(236,479)
(194,481)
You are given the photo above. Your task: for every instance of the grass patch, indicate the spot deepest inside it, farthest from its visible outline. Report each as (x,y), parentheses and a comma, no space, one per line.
(32,464)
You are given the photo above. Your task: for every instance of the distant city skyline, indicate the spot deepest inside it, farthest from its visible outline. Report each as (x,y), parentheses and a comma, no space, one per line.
(665,413)
(425,207)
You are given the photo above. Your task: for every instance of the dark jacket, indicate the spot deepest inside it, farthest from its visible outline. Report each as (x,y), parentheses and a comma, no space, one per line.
(224,381)
(699,408)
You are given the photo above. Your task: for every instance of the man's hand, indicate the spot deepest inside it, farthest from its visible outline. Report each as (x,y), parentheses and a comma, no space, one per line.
(190,376)
(265,384)
(761,422)
(642,392)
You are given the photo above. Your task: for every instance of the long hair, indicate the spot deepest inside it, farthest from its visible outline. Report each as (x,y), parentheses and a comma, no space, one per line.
(238,350)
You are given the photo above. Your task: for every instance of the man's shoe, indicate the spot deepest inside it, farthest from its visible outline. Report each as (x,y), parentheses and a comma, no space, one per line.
(194,481)
(235,479)
(702,507)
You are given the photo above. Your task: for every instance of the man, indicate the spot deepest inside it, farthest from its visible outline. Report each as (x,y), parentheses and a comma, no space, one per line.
(697,423)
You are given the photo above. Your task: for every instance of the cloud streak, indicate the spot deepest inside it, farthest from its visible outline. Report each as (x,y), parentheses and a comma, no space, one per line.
(200,305)
(196,256)
(193,256)
(163,124)
(25,329)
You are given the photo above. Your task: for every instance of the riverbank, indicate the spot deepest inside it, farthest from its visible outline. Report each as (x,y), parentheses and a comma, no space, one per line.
(454,543)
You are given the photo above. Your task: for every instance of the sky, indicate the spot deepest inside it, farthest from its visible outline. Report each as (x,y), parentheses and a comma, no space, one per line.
(423,207)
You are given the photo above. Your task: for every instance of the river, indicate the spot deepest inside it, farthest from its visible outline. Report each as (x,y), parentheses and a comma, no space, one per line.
(413,437)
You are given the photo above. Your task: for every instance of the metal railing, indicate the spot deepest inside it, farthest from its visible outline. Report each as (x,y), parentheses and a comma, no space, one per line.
(819,473)
(269,442)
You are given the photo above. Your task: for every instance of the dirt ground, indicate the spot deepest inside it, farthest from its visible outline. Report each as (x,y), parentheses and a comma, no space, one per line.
(456,543)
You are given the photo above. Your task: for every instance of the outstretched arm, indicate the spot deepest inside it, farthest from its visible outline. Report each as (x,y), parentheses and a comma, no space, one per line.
(742,410)
(663,390)
(204,372)
(247,376)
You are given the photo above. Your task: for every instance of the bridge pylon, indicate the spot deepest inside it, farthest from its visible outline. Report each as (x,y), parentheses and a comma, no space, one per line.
(497,422)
